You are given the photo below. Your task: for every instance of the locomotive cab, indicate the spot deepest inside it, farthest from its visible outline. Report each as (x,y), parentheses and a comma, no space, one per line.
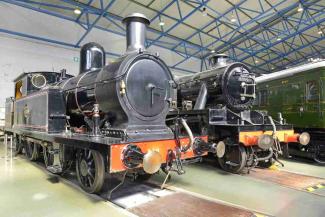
(29,82)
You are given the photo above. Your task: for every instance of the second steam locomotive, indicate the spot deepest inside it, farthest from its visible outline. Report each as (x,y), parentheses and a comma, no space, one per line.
(217,102)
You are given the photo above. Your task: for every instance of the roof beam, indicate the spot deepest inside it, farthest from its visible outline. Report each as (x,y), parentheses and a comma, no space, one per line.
(179,21)
(94,23)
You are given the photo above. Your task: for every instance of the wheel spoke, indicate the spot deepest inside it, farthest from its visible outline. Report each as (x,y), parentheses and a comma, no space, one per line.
(91,162)
(89,181)
(89,155)
(90,174)
(83,180)
(85,154)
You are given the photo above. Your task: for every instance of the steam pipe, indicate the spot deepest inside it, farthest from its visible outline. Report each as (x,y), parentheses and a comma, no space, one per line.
(273,125)
(136,26)
(188,131)
(202,97)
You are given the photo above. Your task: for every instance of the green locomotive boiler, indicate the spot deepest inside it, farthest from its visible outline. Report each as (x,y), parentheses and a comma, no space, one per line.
(297,96)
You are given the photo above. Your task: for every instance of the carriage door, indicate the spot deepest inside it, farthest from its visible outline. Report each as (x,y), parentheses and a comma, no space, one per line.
(312,97)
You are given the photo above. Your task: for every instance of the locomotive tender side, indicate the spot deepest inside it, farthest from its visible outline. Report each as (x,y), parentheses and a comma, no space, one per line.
(109,118)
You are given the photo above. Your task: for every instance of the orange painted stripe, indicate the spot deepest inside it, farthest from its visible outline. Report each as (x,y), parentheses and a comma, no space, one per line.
(162,146)
(250,137)
(291,138)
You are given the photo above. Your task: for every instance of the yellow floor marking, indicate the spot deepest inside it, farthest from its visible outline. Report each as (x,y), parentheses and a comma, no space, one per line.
(310,189)
(319,186)
(259,215)
(273,167)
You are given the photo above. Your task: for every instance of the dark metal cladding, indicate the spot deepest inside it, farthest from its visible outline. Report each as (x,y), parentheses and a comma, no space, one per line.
(9,112)
(79,93)
(131,95)
(34,81)
(133,92)
(92,57)
(41,111)
(138,86)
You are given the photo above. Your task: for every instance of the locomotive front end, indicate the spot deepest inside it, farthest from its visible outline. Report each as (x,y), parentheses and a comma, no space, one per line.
(225,94)
(127,99)
(230,84)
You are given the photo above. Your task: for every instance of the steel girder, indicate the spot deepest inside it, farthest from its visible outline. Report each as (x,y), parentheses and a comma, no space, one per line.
(255,41)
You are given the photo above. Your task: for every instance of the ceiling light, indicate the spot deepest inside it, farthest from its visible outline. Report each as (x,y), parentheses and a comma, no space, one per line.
(279,39)
(77,11)
(233,19)
(204,11)
(320,32)
(161,23)
(272,68)
(256,61)
(300,8)
(212,51)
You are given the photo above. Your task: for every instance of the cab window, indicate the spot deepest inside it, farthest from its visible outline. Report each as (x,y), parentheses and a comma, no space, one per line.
(18,89)
(311,91)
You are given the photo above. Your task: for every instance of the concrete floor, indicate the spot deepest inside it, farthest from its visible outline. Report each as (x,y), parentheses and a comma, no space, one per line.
(304,166)
(256,195)
(27,190)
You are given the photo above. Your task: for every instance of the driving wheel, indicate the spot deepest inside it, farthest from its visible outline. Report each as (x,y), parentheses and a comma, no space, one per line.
(90,170)
(234,159)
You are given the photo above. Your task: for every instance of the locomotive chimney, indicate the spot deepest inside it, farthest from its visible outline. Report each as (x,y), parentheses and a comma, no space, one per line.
(218,60)
(136,25)
(92,57)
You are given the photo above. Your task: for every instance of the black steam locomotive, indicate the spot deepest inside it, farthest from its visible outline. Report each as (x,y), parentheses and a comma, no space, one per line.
(217,102)
(108,119)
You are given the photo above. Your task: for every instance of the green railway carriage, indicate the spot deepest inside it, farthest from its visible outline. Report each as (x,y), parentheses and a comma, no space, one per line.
(298,94)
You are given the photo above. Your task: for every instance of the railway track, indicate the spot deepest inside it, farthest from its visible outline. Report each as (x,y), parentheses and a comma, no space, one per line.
(290,179)
(148,199)
(144,199)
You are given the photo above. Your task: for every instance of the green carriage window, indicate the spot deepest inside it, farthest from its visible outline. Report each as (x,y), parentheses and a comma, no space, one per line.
(263,97)
(311,91)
